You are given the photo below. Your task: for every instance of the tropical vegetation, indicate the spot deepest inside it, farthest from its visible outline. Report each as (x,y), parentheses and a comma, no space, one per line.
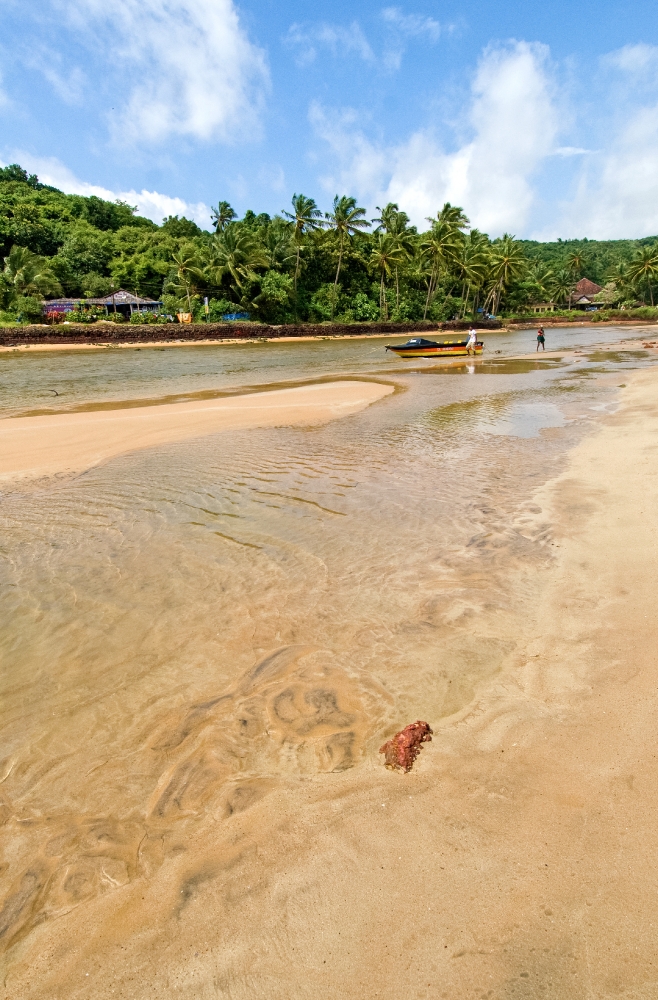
(302,265)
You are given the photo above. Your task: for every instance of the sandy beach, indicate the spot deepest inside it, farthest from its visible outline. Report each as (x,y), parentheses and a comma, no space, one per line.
(70,442)
(244,840)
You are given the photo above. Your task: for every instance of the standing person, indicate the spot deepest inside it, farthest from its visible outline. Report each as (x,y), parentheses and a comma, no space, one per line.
(541,339)
(471,343)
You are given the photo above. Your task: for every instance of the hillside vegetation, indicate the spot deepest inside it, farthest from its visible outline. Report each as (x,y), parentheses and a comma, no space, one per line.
(299,266)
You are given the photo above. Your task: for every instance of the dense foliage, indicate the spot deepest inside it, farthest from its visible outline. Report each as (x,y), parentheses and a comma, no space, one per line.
(302,265)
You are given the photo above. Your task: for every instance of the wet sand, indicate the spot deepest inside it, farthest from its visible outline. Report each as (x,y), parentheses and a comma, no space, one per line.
(37,446)
(254,846)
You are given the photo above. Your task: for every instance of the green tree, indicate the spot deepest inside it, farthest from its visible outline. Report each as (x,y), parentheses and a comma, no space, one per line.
(396,224)
(386,255)
(180,228)
(222,215)
(273,299)
(541,276)
(345,220)
(27,274)
(507,263)
(188,271)
(454,216)
(561,286)
(472,266)
(620,276)
(306,217)
(236,254)
(578,262)
(14,172)
(440,248)
(643,269)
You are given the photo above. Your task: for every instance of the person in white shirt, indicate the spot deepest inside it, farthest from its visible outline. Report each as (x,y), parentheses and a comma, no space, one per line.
(472,341)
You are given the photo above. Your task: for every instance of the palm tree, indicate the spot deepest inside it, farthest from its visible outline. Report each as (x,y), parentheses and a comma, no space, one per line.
(644,267)
(306,217)
(453,215)
(619,275)
(561,285)
(222,215)
(473,266)
(542,277)
(345,219)
(236,252)
(508,264)
(396,224)
(277,244)
(26,273)
(440,249)
(391,219)
(577,262)
(188,269)
(387,253)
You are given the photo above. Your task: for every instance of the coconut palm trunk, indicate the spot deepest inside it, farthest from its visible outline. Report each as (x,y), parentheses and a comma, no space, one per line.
(340,260)
(430,291)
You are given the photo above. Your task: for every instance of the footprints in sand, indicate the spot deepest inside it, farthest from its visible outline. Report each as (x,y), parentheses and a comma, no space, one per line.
(76,860)
(296,712)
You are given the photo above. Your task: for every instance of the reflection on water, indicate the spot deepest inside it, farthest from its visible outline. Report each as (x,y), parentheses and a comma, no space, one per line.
(527,419)
(192,629)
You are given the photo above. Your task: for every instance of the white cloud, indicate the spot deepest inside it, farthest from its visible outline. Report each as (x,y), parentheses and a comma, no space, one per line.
(306,39)
(617,194)
(634,59)
(69,87)
(404,26)
(339,40)
(151,204)
(616,189)
(571,151)
(513,123)
(189,65)
(412,24)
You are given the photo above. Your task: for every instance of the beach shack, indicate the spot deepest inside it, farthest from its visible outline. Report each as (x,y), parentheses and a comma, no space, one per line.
(120,301)
(583,295)
(126,303)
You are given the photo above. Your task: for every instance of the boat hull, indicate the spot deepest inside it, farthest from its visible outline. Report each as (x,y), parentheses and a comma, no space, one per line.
(456,351)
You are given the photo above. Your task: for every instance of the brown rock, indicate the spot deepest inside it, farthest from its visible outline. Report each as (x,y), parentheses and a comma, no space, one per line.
(403,748)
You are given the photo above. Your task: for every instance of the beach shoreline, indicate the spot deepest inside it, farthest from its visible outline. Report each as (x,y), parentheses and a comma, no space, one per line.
(101,344)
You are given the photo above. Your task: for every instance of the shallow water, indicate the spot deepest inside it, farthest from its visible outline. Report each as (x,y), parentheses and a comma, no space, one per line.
(55,381)
(190,629)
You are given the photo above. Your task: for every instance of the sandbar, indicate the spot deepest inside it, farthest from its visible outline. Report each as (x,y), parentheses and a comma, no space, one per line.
(41,446)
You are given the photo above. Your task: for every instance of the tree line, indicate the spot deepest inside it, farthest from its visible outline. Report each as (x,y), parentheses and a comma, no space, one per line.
(302,265)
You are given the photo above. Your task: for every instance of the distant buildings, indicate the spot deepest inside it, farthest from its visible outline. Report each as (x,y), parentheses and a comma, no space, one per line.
(118,302)
(586,295)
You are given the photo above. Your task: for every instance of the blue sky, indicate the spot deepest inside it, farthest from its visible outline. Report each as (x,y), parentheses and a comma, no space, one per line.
(540,120)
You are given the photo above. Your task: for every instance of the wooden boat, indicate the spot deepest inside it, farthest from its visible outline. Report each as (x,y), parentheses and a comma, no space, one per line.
(418,347)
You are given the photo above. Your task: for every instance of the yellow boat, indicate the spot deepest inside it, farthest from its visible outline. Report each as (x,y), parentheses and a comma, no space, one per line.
(420,348)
